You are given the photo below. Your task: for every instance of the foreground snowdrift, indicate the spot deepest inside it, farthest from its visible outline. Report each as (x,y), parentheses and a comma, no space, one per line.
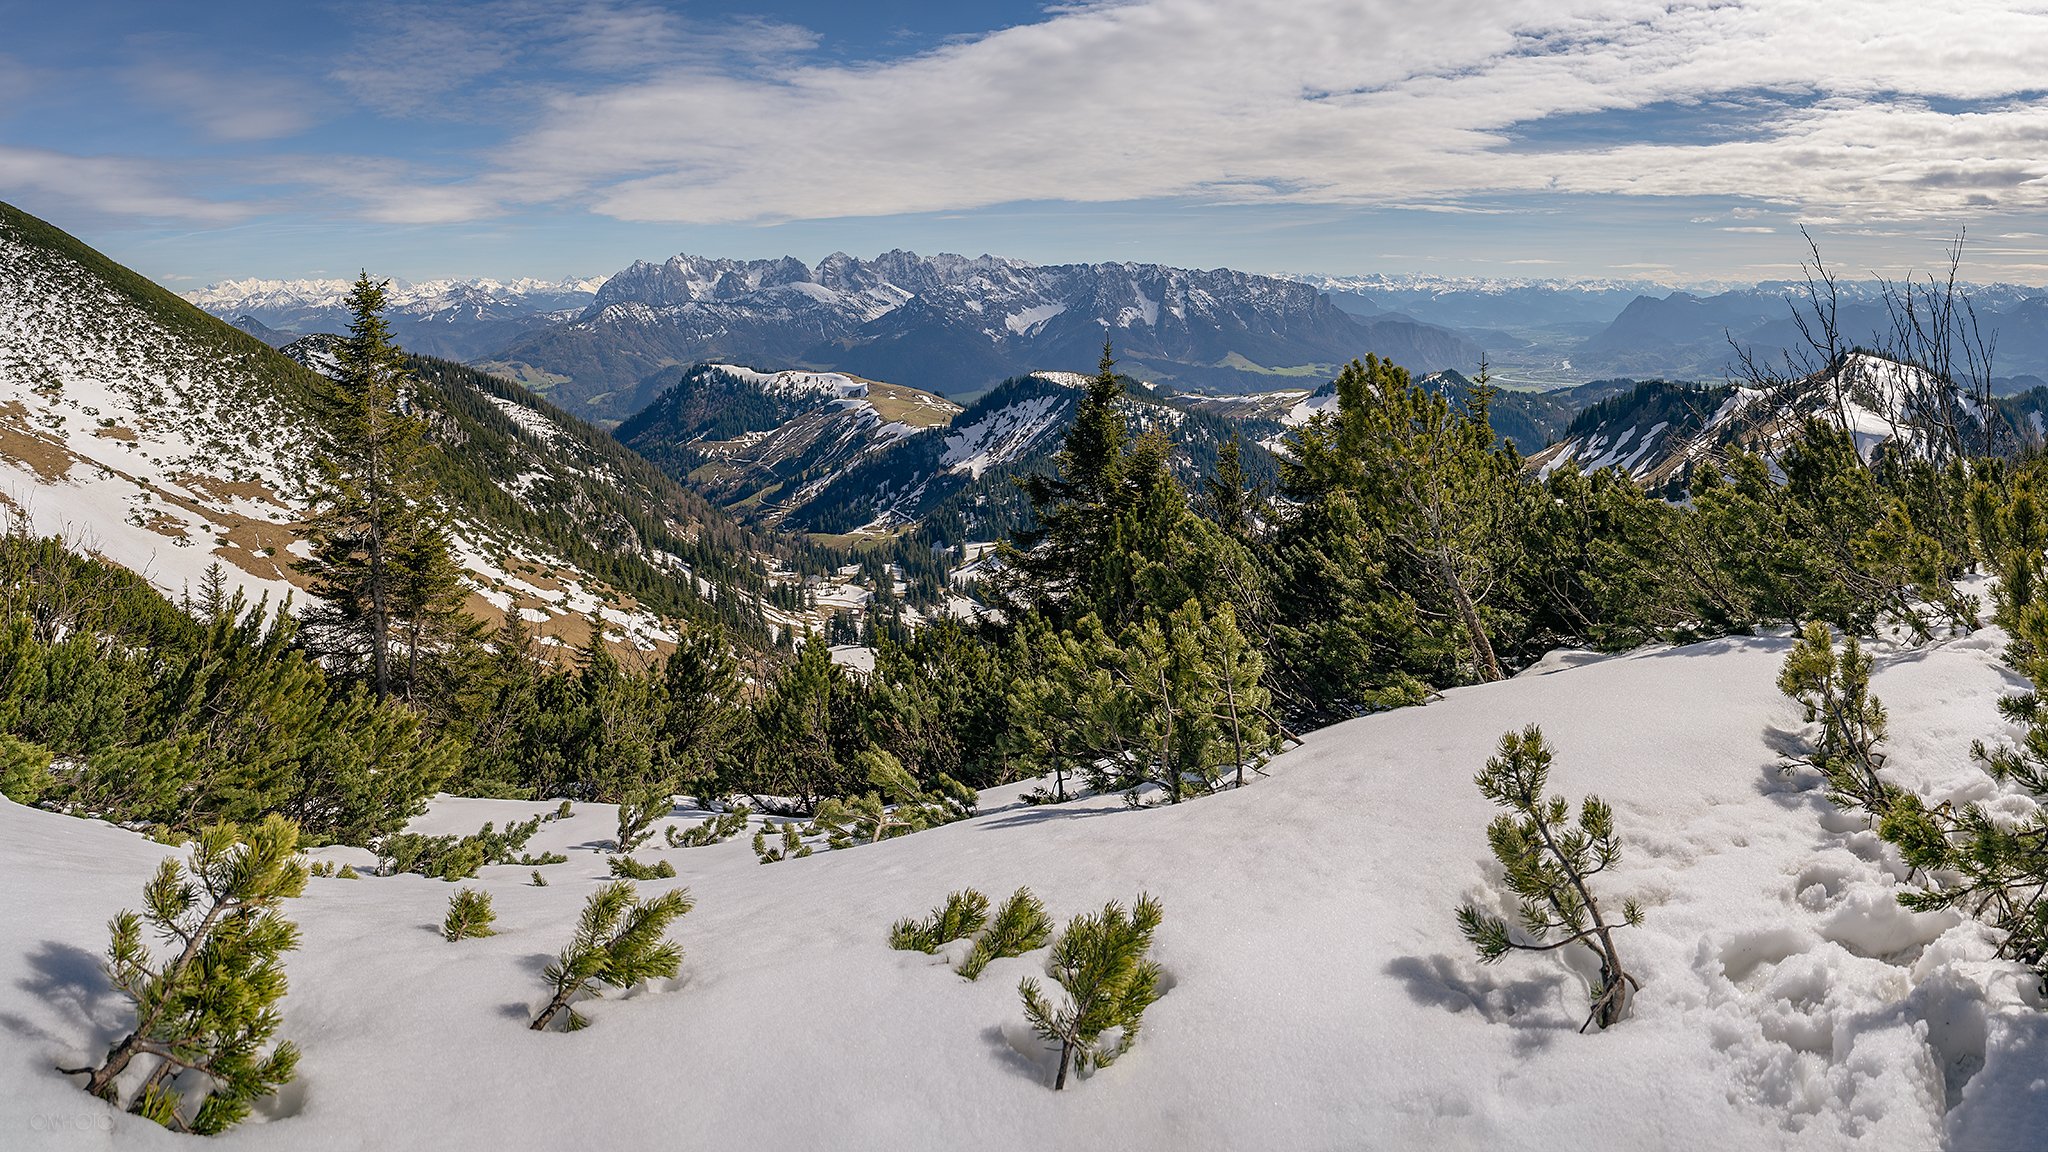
(1320,996)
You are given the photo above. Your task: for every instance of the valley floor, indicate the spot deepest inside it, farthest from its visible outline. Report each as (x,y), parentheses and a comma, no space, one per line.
(1320,994)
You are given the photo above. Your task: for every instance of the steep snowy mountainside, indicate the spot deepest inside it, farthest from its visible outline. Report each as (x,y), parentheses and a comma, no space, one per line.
(455,319)
(762,443)
(873,458)
(164,439)
(1653,432)
(1312,961)
(952,325)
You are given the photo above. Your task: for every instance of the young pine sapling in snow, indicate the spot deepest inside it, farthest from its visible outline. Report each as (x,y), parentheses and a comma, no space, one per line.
(469,915)
(1548,864)
(210,1007)
(714,829)
(1100,961)
(630,869)
(1020,926)
(790,847)
(637,815)
(963,914)
(1835,691)
(619,942)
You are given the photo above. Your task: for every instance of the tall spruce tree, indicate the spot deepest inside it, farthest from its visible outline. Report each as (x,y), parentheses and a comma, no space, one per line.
(380,567)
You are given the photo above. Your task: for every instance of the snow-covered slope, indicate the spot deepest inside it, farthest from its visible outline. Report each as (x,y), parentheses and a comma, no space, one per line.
(1319,995)
(141,429)
(839,468)
(1653,432)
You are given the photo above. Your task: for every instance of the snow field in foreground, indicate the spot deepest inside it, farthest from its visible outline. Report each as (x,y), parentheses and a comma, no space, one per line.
(1320,995)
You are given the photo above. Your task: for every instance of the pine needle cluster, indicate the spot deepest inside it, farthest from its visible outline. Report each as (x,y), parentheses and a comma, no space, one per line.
(1549,862)
(206,1013)
(1020,925)
(1101,963)
(963,914)
(620,941)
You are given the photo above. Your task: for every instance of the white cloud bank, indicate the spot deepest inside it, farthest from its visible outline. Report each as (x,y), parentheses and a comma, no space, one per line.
(1324,101)
(1845,110)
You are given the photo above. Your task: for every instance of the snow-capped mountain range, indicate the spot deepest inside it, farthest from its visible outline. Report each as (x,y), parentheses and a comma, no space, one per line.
(453,319)
(953,325)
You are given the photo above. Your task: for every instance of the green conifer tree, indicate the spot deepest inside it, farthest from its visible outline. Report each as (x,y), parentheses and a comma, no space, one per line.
(210,1008)
(380,566)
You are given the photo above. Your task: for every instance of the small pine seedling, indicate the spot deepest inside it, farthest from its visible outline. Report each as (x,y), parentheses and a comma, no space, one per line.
(539,881)
(791,847)
(1548,864)
(963,914)
(619,942)
(469,914)
(212,1007)
(630,869)
(1836,693)
(347,873)
(1020,926)
(714,830)
(1101,962)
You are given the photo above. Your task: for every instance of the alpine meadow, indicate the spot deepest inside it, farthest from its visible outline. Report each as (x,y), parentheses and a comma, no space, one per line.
(1470,578)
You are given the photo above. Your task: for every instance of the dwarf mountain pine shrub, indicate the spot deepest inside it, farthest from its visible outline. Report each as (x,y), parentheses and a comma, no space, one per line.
(620,941)
(469,914)
(1101,963)
(209,1008)
(458,858)
(1548,863)
(637,815)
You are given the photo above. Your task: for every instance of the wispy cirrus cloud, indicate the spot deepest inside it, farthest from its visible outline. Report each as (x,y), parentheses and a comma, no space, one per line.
(228,105)
(119,186)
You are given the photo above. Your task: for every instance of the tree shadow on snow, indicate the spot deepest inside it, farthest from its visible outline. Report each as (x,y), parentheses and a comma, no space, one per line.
(1722,646)
(1019,1053)
(1040,813)
(1533,1005)
(72,981)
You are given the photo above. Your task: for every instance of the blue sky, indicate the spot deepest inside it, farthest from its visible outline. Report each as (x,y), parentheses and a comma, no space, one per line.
(1666,139)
